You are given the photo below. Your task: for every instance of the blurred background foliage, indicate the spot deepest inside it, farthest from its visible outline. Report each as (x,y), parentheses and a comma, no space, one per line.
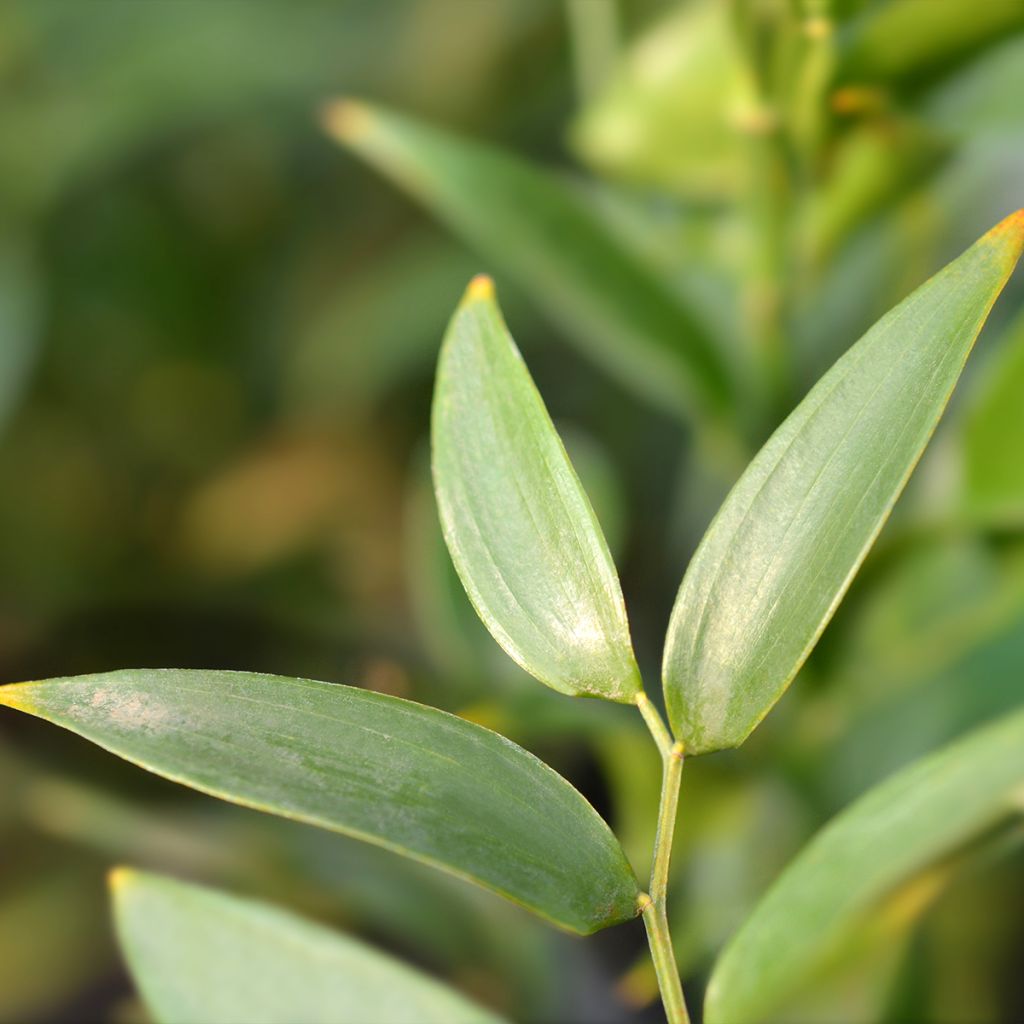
(217,337)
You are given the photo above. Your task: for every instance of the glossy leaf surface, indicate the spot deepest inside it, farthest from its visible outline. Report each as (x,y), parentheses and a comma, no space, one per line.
(520,529)
(539,231)
(408,777)
(200,956)
(893,832)
(790,536)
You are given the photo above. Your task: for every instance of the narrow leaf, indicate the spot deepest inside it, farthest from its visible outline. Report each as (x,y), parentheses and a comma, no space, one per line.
(407,777)
(200,956)
(915,43)
(845,873)
(792,533)
(521,532)
(541,233)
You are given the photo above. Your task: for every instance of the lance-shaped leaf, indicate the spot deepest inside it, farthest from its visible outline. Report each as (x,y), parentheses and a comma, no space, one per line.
(790,536)
(914,43)
(408,777)
(200,956)
(861,858)
(518,524)
(540,232)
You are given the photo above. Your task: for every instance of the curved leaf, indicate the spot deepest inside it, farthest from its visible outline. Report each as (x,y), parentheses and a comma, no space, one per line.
(404,776)
(893,832)
(521,532)
(536,228)
(916,42)
(790,536)
(200,956)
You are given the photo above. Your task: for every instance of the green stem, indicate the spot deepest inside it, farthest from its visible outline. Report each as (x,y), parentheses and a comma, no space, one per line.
(671,771)
(594,29)
(653,905)
(665,968)
(653,722)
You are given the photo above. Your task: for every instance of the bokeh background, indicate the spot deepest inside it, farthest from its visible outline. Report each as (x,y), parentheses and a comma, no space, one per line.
(217,335)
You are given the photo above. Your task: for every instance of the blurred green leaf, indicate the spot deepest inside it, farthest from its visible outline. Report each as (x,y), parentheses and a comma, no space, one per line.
(360,345)
(883,840)
(404,776)
(517,522)
(871,167)
(983,98)
(909,42)
(789,538)
(443,923)
(50,948)
(957,665)
(535,228)
(993,438)
(200,956)
(670,116)
(20,313)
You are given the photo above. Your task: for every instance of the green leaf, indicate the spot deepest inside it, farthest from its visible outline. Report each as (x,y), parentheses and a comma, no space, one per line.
(200,956)
(521,532)
(50,948)
(539,231)
(20,309)
(846,872)
(915,42)
(407,777)
(993,439)
(669,117)
(790,536)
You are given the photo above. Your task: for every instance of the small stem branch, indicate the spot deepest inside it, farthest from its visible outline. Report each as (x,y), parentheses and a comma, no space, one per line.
(653,906)
(653,721)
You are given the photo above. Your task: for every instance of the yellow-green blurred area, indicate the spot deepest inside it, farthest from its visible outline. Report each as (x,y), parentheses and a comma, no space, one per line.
(218,329)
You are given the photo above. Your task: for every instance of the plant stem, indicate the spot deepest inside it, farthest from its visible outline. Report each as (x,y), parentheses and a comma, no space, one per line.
(671,771)
(594,29)
(653,904)
(665,968)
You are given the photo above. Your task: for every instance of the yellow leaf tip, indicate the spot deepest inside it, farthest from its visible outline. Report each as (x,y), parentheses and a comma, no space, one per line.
(120,877)
(13,696)
(345,119)
(481,289)
(1009,229)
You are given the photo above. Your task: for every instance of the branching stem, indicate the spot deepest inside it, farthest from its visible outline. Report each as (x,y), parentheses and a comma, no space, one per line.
(653,721)
(653,904)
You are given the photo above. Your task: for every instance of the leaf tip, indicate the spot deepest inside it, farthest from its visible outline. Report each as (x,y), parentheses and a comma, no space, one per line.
(119,878)
(14,696)
(480,289)
(345,119)
(1010,232)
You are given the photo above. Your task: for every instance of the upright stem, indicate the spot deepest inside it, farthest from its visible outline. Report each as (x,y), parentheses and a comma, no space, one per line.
(594,29)
(653,904)
(665,968)
(671,772)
